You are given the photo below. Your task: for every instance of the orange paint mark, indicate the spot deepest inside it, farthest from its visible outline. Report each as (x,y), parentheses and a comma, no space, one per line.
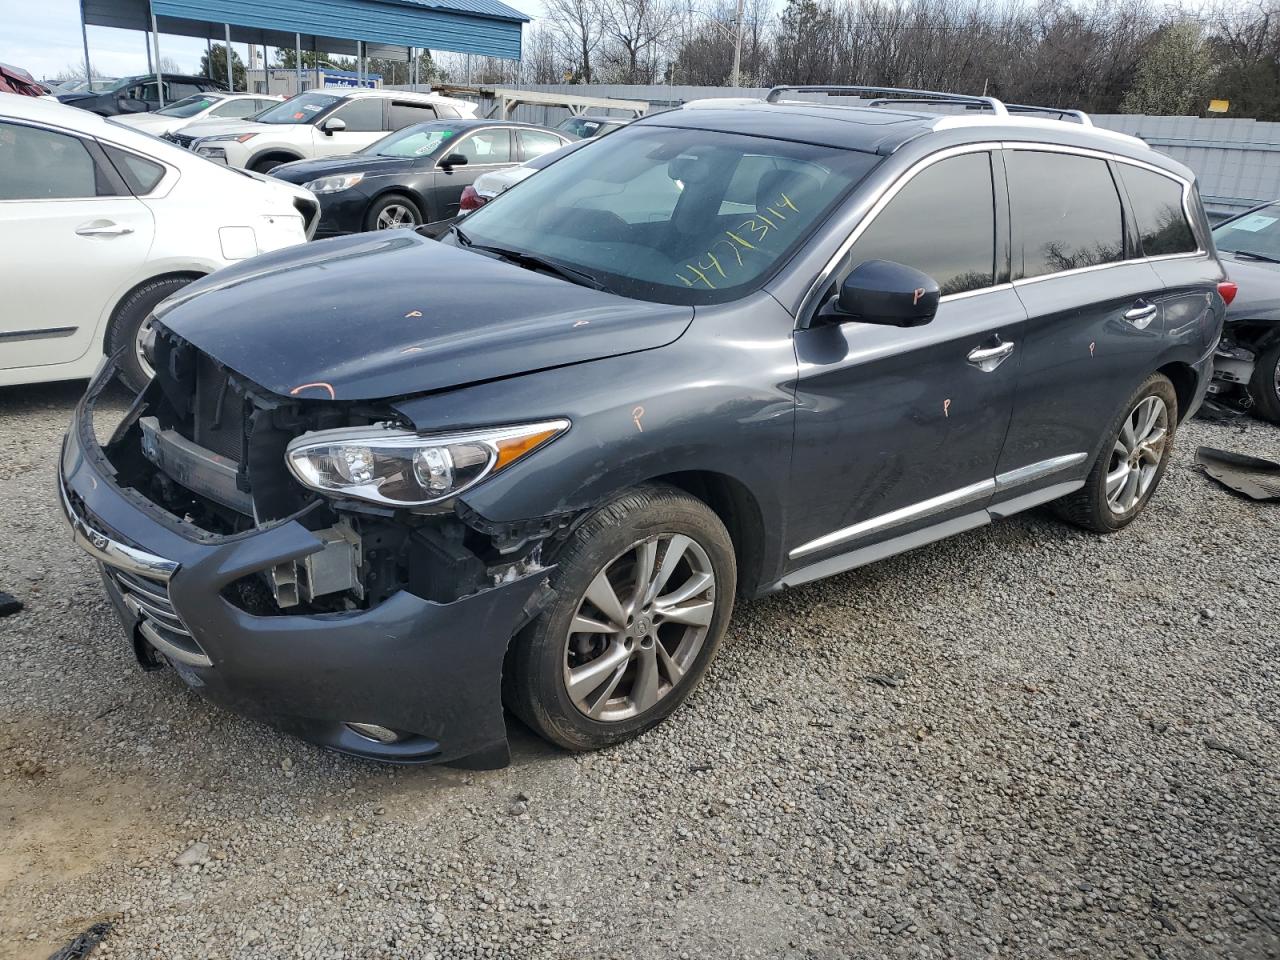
(413,313)
(636,414)
(946,407)
(327,386)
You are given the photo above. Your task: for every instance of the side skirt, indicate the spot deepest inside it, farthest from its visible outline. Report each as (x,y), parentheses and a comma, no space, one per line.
(919,538)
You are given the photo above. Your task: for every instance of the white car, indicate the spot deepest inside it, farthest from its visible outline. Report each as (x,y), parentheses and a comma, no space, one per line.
(99,223)
(318,123)
(213,105)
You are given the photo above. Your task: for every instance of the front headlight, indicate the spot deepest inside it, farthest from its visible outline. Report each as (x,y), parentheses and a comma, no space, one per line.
(334,184)
(399,468)
(225,137)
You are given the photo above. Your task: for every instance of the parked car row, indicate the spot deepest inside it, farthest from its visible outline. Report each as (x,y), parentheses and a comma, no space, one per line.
(381,485)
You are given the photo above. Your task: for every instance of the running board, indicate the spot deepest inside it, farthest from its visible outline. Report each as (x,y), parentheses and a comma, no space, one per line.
(923,537)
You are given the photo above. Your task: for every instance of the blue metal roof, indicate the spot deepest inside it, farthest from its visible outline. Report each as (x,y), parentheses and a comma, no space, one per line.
(485,27)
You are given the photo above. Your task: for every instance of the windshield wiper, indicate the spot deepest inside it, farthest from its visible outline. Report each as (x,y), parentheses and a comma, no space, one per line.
(1251,255)
(532,260)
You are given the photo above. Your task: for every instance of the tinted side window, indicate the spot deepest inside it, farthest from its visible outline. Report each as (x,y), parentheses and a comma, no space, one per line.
(140,174)
(1066,212)
(237,108)
(1156,202)
(943,222)
(38,164)
(361,116)
(182,88)
(404,114)
(487,146)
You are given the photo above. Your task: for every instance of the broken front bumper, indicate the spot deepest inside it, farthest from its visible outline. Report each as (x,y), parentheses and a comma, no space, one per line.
(431,672)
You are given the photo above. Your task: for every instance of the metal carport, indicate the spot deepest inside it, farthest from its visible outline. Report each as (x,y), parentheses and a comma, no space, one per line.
(378,28)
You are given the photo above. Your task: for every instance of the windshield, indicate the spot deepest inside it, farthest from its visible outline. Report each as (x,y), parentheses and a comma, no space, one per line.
(186,107)
(551,156)
(585,126)
(1257,233)
(303,108)
(672,215)
(420,140)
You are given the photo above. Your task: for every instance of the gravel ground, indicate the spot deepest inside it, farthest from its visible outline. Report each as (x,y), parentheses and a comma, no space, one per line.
(1024,742)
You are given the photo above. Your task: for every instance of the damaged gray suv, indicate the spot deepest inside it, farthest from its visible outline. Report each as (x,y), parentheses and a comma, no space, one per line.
(382,485)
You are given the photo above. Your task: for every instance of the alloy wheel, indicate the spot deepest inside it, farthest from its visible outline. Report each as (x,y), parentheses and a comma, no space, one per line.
(1136,456)
(141,339)
(395,215)
(639,627)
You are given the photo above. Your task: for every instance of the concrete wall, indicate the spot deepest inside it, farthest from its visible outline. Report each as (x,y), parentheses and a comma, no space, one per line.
(1237,161)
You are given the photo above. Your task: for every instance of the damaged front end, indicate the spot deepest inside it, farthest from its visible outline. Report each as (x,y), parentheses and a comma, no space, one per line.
(373,628)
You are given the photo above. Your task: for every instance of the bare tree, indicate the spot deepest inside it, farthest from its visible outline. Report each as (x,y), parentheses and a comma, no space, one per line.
(637,31)
(580,23)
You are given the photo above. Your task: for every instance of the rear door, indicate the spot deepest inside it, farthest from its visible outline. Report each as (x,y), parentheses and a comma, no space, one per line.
(485,150)
(69,233)
(1094,313)
(898,429)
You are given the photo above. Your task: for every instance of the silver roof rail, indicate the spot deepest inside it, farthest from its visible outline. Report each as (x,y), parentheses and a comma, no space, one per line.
(907,96)
(1079,116)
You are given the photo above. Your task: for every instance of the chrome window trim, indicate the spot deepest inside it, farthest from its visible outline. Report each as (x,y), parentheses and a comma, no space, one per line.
(1001,483)
(889,192)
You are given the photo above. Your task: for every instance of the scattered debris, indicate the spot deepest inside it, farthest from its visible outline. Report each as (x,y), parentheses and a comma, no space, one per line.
(9,604)
(84,943)
(195,855)
(1254,477)
(889,680)
(1237,752)
(518,809)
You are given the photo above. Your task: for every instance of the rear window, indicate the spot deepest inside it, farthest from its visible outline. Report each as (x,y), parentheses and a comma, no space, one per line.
(1066,213)
(406,114)
(139,173)
(1156,201)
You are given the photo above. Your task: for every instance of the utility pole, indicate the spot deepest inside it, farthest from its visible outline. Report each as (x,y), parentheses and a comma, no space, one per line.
(737,49)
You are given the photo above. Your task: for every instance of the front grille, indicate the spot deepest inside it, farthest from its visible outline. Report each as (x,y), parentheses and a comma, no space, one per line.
(159,622)
(181,139)
(219,413)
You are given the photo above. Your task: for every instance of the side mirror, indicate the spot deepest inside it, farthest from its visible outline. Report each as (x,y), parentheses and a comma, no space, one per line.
(453,160)
(881,291)
(333,125)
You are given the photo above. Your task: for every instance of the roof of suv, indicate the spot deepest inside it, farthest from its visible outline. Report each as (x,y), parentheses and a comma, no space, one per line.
(880,128)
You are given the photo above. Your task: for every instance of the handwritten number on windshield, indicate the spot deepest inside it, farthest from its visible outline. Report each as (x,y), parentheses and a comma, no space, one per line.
(757,227)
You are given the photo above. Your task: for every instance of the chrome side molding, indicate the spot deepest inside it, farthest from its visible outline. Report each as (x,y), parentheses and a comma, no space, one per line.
(1001,483)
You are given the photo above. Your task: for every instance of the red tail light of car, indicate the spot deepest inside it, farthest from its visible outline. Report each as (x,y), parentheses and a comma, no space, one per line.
(1227,291)
(471,200)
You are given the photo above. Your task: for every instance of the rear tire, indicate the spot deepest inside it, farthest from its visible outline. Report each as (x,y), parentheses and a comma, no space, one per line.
(627,569)
(1264,385)
(1131,462)
(393,211)
(130,327)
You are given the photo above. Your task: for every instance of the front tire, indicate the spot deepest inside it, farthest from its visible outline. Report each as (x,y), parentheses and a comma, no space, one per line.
(131,326)
(1134,457)
(1264,385)
(645,590)
(394,211)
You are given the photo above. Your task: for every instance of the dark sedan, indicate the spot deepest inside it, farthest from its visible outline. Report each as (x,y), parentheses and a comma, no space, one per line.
(415,175)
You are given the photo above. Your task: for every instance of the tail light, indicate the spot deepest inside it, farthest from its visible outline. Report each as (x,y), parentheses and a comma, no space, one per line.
(471,200)
(1226,290)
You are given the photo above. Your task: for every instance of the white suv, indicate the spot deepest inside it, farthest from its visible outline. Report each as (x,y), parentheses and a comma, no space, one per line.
(318,123)
(99,223)
(214,105)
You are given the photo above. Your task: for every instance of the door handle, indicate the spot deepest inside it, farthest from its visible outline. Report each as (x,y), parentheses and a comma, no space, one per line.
(1141,314)
(987,359)
(104,230)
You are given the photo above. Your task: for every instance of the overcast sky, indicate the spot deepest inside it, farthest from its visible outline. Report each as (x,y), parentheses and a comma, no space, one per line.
(43,37)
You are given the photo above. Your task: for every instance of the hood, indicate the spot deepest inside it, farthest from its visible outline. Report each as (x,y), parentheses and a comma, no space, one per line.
(148,122)
(383,315)
(210,128)
(302,171)
(1259,283)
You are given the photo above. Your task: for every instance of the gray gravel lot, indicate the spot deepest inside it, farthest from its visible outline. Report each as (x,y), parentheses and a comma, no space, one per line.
(1024,742)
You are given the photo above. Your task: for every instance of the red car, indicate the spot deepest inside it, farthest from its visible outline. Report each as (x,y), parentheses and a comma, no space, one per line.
(15,80)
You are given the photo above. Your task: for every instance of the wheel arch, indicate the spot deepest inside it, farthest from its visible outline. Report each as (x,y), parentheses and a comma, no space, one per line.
(282,154)
(400,190)
(736,506)
(1185,380)
(105,333)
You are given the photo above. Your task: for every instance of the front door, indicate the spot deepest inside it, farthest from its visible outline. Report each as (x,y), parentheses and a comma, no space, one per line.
(69,235)
(1094,317)
(898,429)
(365,124)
